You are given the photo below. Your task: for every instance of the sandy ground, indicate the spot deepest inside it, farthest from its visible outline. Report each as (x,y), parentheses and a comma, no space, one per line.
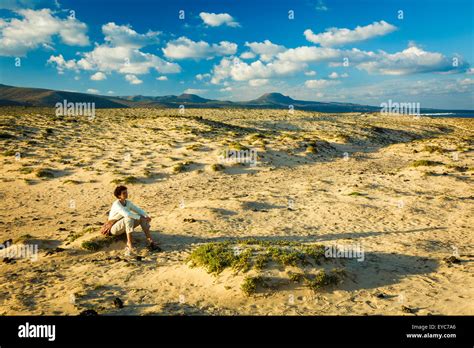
(358,187)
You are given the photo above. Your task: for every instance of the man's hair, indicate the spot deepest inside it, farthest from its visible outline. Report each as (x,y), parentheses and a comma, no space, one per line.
(118,190)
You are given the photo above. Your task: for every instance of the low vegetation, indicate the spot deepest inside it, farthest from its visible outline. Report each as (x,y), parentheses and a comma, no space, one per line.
(247,255)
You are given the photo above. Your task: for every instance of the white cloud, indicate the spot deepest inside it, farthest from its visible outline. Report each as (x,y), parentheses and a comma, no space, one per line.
(92,91)
(411,61)
(62,64)
(310,73)
(132,79)
(121,54)
(125,36)
(22,4)
(37,28)
(162,78)
(333,75)
(342,36)
(110,92)
(266,50)
(238,70)
(226,89)
(309,54)
(183,48)
(98,76)
(201,77)
(319,83)
(218,19)
(258,82)
(248,55)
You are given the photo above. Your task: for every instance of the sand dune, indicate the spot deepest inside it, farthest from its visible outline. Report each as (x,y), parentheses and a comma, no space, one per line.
(399,187)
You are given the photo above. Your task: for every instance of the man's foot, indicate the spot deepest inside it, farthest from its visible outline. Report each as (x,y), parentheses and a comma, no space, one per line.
(152,246)
(129,251)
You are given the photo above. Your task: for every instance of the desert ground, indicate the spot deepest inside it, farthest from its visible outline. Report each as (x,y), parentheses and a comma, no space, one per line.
(238,239)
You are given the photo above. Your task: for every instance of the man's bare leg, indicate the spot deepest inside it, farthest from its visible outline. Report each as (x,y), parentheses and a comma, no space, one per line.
(129,241)
(146,229)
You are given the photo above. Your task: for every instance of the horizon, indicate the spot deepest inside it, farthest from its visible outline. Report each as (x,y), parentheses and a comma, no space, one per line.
(329,51)
(384,105)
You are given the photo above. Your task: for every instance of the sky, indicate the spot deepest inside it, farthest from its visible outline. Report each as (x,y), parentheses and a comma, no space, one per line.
(359,51)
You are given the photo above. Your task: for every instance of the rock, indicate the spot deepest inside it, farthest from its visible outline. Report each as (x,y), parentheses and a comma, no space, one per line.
(7,243)
(118,303)
(88,313)
(189,220)
(452,259)
(54,251)
(406,309)
(8,260)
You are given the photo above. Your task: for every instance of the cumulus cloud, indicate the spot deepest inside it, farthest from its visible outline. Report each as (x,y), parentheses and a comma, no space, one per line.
(266,49)
(342,36)
(218,19)
(162,78)
(183,48)
(309,54)
(37,28)
(125,36)
(22,4)
(92,91)
(62,64)
(132,79)
(248,55)
(411,61)
(125,58)
(310,73)
(201,77)
(98,76)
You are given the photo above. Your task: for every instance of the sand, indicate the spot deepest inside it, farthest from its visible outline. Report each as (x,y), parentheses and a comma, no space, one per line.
(358,188)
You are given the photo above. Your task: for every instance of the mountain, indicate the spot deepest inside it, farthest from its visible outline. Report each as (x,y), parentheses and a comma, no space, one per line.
(46,97)
(272,98)
(20,96)
(278,100)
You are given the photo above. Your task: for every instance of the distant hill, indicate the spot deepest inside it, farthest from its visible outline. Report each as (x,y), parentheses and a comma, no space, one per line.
(272,98)
(20,96)
(46,97)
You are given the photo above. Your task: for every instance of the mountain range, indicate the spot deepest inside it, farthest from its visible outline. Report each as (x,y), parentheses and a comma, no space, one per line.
(24,96)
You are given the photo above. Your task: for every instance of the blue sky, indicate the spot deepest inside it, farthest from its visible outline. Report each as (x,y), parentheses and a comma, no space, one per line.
(361,51)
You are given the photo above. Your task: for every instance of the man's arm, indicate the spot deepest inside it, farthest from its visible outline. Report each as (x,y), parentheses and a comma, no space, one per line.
(138,210)
(125,212)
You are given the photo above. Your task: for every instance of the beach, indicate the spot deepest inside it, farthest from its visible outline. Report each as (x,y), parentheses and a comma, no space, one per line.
(397,189)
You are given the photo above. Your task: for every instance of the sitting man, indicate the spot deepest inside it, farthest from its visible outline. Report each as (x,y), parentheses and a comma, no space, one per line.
(124,216)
